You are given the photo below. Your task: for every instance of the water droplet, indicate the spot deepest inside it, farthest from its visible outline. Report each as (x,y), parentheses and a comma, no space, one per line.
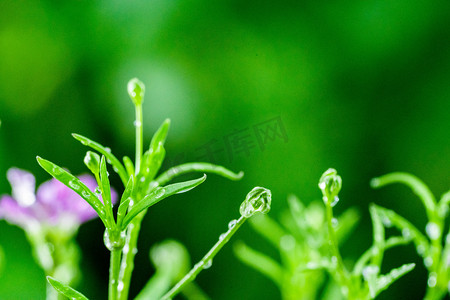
(114,239)
(257,200)
(370,270)
(107,149)
(231,224)
(159,192)
(57,170)
(386,221)
(98,191)
(406,233)
(428,261)
(73,184)
(287,242)
(120,286)
(433,230)
(421,249)
(344,291)
(85,194)
(432,279)
(334,261)
(222,236)
(312,265)
(334,222)
(137,123)
(207,264)
(335,201)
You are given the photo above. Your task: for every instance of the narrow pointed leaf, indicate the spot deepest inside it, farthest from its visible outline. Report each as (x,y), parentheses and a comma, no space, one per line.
(407,229)
(75,184)
(384,281)
(268,228)
(125,201)
(443,204)
(117,166)
(159,194)
(364,259)
(347,222)
(152,161)
(260,262)
(128,165)
(65,290)
(160,135)
(106,191)
(197,167)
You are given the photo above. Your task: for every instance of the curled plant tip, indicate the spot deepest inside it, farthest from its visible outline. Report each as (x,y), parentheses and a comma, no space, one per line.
(92,161)
(170,256)
(257,200)
(330,183)
(136,90)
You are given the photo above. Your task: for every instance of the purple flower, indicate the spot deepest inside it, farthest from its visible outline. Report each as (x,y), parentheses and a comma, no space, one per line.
(53,204)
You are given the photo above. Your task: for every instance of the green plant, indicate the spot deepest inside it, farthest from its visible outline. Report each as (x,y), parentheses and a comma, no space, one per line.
(143,189)
(308,240)
(434,246)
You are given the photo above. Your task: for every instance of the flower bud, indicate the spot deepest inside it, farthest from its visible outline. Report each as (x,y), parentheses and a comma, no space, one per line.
(330,183)
(136,90)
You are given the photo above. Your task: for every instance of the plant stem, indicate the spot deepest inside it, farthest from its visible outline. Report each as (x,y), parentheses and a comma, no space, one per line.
(130,248)
(114,274)
(206,260)
(139,137)
(343,276)
(129,252)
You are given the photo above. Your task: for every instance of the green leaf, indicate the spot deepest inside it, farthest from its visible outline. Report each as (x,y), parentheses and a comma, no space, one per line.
(197,167)
(128,165)
(260,262)
(151,162)
(160,135)
(106,192)
(117,166)
(367,255)
(268,228)
(75,184)
(125,201)
(159,194)
(347,222)
(407,229)
(443,204)
(384,281)
(65,290)
(414,183)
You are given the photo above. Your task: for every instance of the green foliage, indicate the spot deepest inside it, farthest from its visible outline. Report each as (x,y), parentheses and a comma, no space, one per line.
(308,239)
(434,246)
(65,290)
(142,191)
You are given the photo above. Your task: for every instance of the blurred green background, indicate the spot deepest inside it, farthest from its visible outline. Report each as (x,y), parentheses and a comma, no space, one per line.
(361,86)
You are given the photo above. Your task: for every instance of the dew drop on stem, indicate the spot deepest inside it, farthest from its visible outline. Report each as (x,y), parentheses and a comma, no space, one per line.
(231,224)
(207,264)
